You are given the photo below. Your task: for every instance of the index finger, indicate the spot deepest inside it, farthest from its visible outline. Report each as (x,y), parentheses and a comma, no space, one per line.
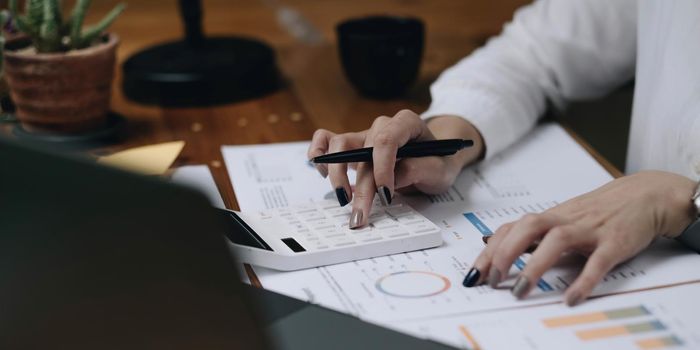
(318,147)
(403,127)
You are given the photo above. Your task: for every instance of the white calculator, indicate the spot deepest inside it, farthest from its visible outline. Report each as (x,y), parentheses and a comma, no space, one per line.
(317,234)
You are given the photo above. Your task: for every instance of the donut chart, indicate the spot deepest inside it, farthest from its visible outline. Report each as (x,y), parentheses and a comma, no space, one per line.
(412,284)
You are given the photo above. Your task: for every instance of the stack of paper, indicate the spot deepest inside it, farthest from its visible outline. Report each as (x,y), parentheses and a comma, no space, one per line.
(416,291)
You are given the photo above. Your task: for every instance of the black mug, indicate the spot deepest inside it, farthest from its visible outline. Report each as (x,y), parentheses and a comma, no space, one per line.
(381,54)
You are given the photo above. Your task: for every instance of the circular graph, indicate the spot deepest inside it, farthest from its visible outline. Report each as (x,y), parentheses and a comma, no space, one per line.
(412,284)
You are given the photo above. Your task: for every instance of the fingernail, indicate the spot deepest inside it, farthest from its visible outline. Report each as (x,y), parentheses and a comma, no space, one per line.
(355,218)
(322,170)
(494,277)
(384,195)
(472,277)
(574,299)
(486,238)
(521,286)
(342,196)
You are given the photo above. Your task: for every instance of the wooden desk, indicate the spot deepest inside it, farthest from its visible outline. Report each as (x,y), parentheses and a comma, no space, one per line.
(317,95)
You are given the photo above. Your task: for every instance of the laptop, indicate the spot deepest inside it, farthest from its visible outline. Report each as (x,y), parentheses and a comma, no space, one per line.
(95,258)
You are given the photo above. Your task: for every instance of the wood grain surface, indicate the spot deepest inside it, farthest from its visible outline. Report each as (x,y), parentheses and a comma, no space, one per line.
(315,94)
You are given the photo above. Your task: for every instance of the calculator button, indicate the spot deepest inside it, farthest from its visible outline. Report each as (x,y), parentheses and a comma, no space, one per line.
(399,234)
(329,205)
(377,214)
(395,232)
(303,208)
(341,241)
(398,210)
(338,211)
(312,215)
(322,224)
(344,228)
(298,226)
(342,219)
(410,219)
(422,227)
(423,231)
(369,237)
(330,232)
(385,223)
(318,244)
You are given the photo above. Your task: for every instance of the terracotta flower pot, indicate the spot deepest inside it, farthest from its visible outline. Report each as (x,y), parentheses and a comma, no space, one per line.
(61,92)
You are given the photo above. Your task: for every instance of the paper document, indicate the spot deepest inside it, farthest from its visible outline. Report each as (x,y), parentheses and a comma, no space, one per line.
(658,319)
(546,168)
(273,176)
(199,177)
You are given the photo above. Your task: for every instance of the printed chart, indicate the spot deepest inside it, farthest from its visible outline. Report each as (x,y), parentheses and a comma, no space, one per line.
(275,175)
(546,168)
(412,284)
(660,319)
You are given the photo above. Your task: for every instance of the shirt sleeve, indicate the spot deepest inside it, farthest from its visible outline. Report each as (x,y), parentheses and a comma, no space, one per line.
(553,51)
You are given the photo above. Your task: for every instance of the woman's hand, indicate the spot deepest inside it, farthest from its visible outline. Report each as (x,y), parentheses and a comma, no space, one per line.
(610,225)
(385,175)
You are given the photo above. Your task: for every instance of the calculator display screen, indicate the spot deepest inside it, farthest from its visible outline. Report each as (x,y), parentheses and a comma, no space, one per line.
(240,233)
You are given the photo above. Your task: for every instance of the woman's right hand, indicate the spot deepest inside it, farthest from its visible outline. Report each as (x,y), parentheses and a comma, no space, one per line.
(385,174)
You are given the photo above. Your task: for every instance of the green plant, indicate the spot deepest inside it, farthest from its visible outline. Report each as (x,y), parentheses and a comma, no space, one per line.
(4,18)
(43,22)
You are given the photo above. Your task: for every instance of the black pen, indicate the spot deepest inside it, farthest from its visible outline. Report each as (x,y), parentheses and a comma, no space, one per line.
(410,150)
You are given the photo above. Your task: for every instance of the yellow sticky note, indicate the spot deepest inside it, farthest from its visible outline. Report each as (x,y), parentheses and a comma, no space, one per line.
(146,160)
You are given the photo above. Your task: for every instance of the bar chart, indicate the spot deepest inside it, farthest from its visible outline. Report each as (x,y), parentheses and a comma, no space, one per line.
(655,319)
(635,320)
(598,316)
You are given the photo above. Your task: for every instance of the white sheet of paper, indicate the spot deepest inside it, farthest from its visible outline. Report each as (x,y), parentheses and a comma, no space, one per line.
(199,177)
(274,175)
(654,319)
(546,168)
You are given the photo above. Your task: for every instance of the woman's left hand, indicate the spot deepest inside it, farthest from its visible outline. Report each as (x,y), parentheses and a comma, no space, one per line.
(610,225)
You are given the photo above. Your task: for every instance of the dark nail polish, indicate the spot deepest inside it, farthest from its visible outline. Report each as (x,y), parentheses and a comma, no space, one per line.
(521,287)
(486,238)
(472,277)
(384,195)
(355,219)
(342,195)
(494,277)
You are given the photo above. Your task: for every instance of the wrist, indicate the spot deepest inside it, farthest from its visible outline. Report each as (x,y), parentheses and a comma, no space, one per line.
(682,211)
(690,236)
(452,127)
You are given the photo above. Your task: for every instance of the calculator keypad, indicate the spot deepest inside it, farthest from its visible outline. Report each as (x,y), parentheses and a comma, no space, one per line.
(324,225)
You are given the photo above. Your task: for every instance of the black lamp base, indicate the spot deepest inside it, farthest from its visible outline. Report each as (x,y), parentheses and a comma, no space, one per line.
(213,71)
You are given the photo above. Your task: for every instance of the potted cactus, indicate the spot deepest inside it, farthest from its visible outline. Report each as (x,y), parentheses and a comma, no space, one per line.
(59,73)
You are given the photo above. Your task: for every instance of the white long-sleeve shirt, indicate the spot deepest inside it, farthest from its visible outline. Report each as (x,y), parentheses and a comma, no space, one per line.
(555,51)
